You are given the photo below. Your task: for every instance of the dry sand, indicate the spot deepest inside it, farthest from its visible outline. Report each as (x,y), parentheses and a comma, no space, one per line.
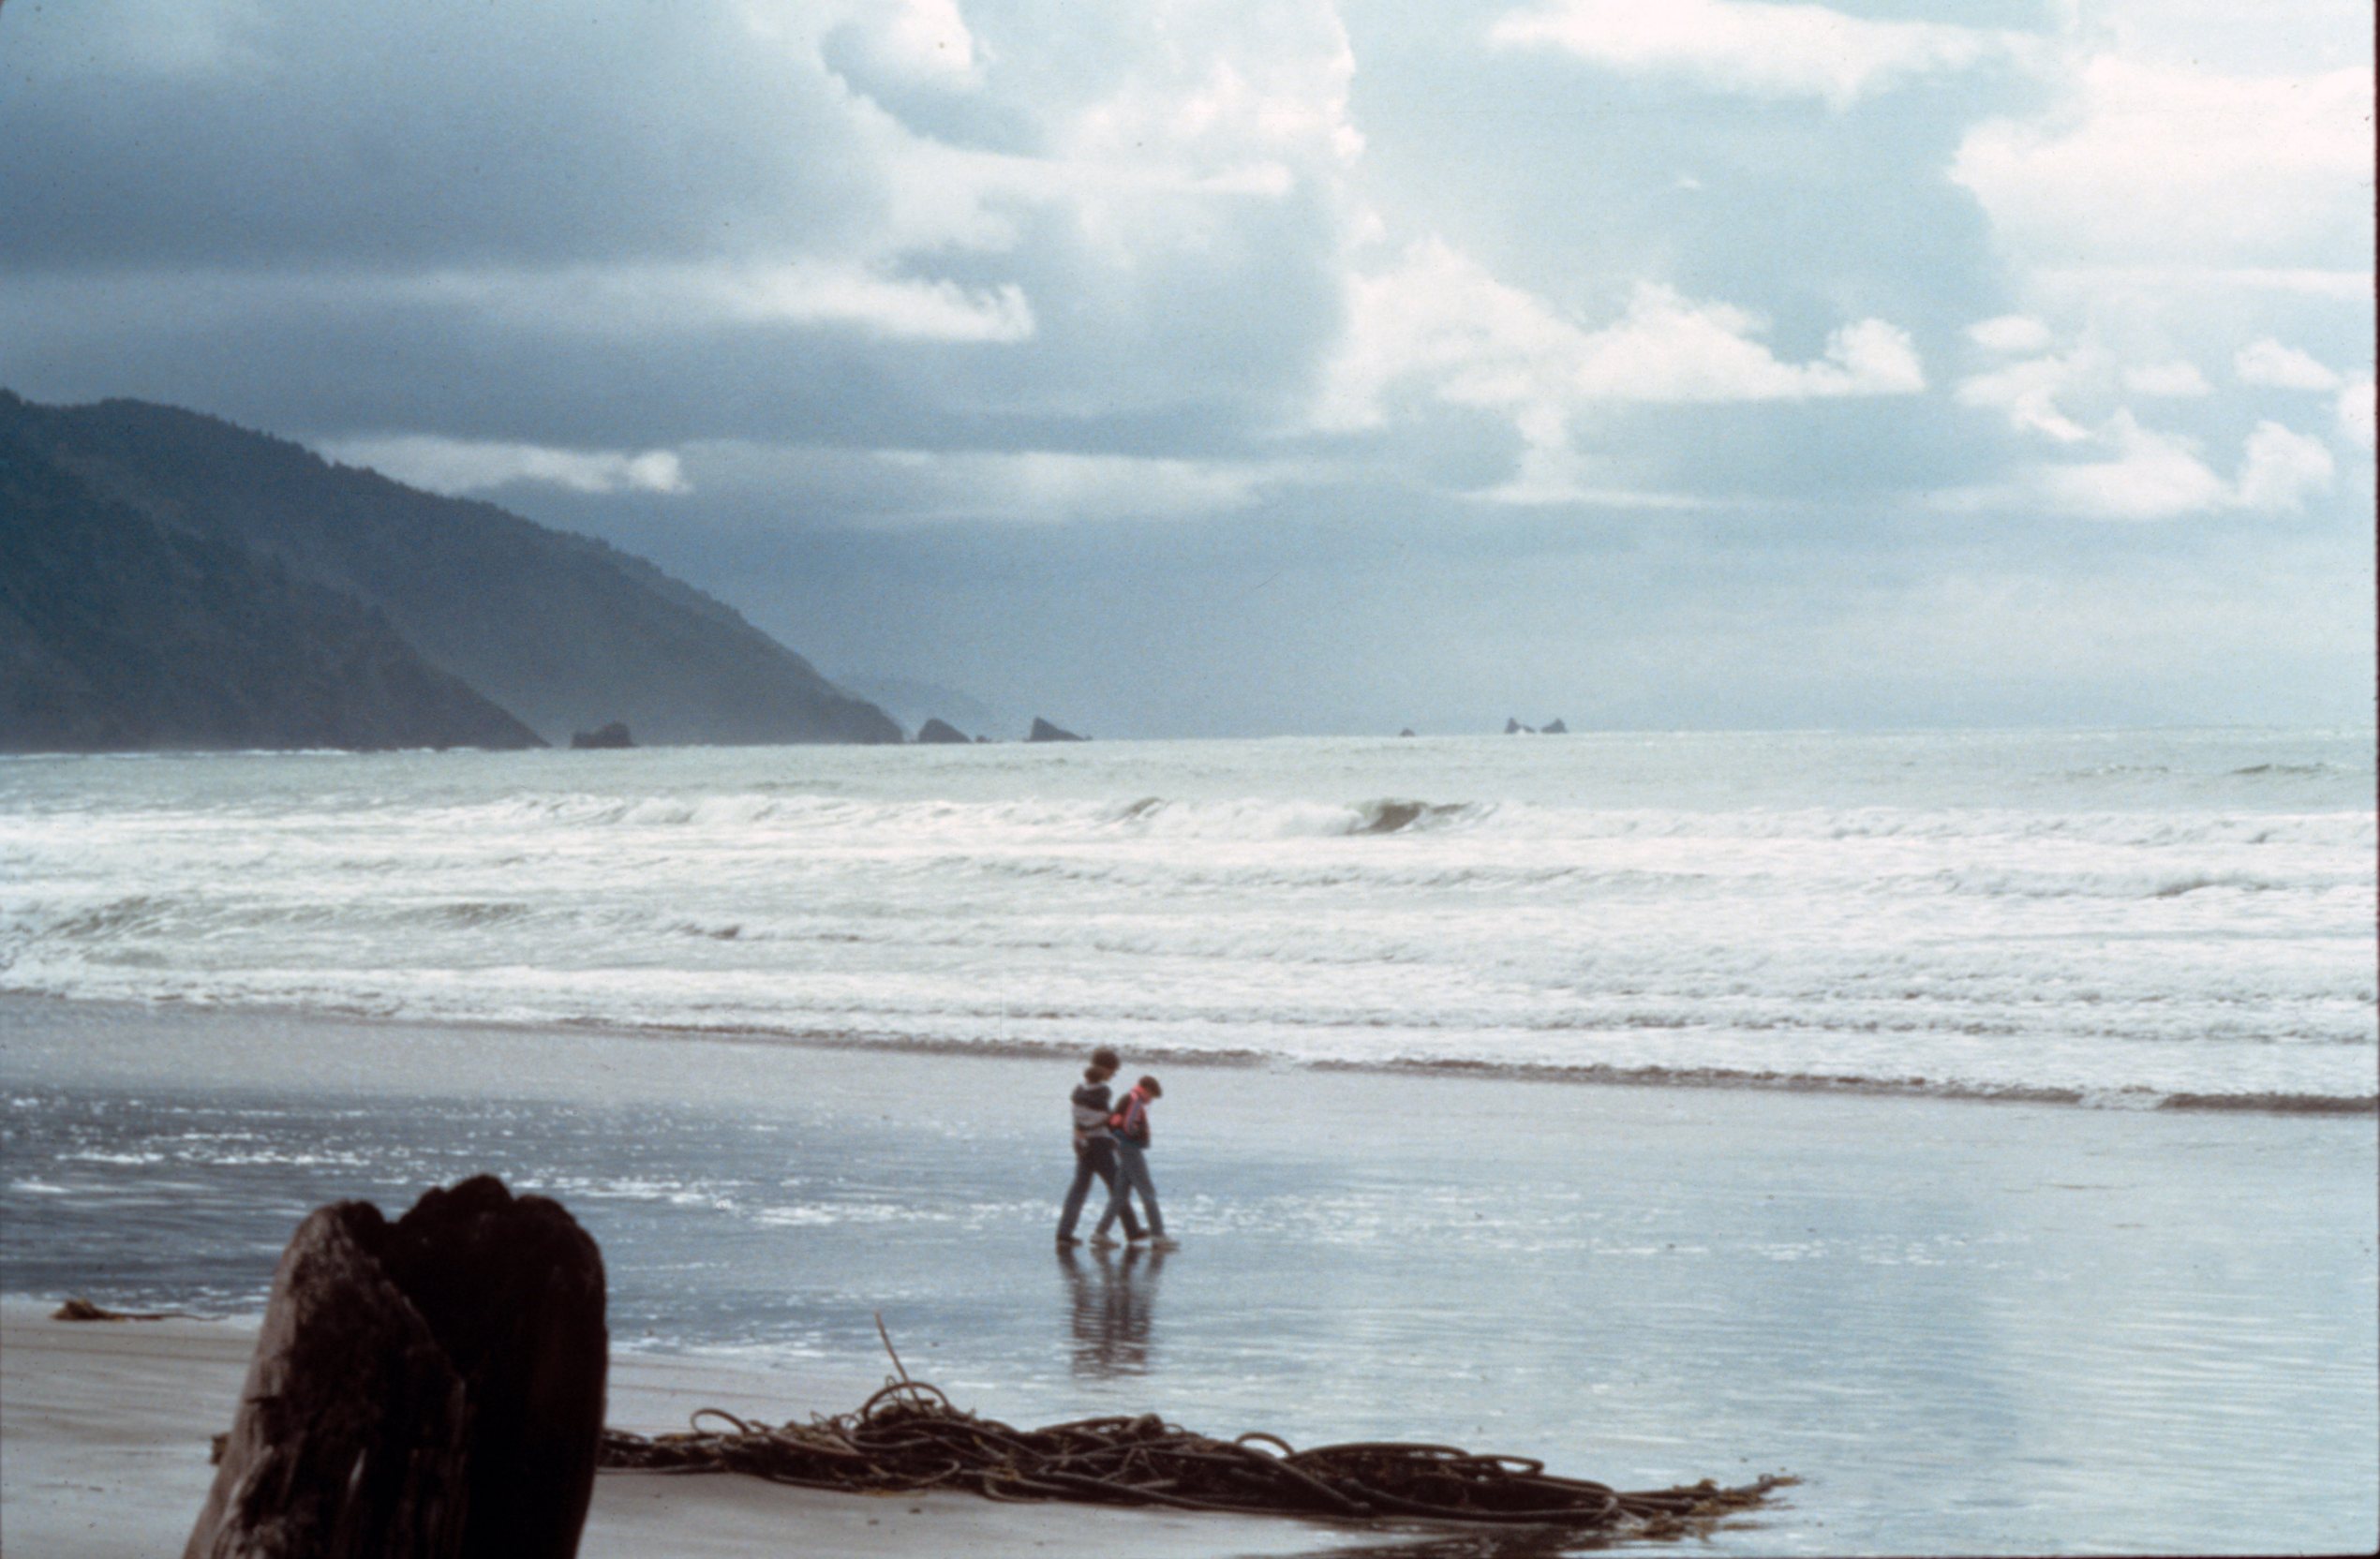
(104,1429)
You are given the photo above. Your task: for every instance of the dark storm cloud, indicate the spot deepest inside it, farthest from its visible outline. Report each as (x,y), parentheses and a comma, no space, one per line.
(616,223)
(430,134)
(1212,366)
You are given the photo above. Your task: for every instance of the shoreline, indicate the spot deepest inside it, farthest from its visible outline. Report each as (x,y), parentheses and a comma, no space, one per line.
(1587,1075)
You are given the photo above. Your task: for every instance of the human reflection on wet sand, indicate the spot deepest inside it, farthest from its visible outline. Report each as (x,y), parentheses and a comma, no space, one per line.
(1111,1303)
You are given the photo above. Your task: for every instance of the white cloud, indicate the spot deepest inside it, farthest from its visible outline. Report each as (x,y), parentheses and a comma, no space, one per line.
(1440,317)
(603,299)
(2177,379)
(1436,315)
(629,299)
(2267,361)
(1876,359)
(1437,323)
(918,40)
(1184,147)
(890,487)
(2035,394)
(1195,97)
(1670,348)
(901,308)
(1553,471)
(2009,333)
(456,465)
(1045,484)
(2166,165)
(2282,467)
(1226,106)
(1763,50)
(1172,137)
(2027,392)
(2153,476)
(2148,475)
(2355,413)
(2271,37)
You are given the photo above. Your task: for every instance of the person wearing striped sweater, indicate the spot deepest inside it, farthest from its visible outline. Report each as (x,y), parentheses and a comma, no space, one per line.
(1095,1146)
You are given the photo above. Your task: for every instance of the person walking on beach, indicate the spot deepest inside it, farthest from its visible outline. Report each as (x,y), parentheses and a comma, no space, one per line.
(1095,1146)
(1130,1127)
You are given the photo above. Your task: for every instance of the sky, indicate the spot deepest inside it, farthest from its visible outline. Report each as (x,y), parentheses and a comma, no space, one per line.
(1277,367)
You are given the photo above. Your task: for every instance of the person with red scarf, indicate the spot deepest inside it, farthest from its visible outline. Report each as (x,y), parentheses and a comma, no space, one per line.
(1129,1125)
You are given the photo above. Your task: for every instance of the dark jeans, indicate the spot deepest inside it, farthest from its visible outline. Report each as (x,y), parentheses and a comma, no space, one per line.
(1096,1157)
(1132,1174)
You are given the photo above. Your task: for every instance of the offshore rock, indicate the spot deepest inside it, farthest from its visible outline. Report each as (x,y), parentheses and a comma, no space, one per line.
(939,730)
(1556,728)
(1044,731)
(1515,728)
(613,734)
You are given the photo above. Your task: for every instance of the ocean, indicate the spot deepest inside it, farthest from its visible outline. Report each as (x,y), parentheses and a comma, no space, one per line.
(2114,918)
(1988,1137)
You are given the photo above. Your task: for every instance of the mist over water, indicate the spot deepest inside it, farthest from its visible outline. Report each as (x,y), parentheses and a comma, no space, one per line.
(2111,916)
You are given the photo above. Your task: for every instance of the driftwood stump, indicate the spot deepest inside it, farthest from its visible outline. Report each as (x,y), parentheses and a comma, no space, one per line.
(428,1389)
(513,1291)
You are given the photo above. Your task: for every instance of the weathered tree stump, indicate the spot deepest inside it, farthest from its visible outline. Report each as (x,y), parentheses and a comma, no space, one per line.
(351,1435)
(428,1389)
(513,1291)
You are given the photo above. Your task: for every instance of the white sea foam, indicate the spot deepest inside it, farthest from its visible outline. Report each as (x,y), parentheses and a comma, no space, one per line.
(2115,915)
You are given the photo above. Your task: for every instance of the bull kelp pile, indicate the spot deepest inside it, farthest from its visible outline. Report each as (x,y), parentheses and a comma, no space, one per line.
(909,1438)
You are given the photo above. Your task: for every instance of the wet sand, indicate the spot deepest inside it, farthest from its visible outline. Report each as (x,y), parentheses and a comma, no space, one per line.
(105,1428)
(1969,1328)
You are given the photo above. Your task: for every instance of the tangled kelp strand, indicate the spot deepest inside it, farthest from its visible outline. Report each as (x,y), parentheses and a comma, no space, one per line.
(909,1438)
(80,1309)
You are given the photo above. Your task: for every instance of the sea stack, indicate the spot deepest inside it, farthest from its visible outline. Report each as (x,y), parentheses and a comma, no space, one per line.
(613,734)
(1044,731)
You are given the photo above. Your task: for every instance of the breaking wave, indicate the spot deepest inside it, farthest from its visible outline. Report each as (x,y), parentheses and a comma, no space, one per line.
(1520,904)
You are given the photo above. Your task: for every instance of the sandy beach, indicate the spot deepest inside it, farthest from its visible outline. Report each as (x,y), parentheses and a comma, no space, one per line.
(106,1428)
(1967,1327)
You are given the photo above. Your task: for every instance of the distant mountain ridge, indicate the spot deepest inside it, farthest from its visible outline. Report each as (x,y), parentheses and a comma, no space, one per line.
(562,632)
(118,632)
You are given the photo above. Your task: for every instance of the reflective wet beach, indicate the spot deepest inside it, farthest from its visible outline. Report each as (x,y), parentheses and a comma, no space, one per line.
(1968,1326)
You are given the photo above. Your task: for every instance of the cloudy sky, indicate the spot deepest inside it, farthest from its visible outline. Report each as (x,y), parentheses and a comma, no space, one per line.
(1177,367)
